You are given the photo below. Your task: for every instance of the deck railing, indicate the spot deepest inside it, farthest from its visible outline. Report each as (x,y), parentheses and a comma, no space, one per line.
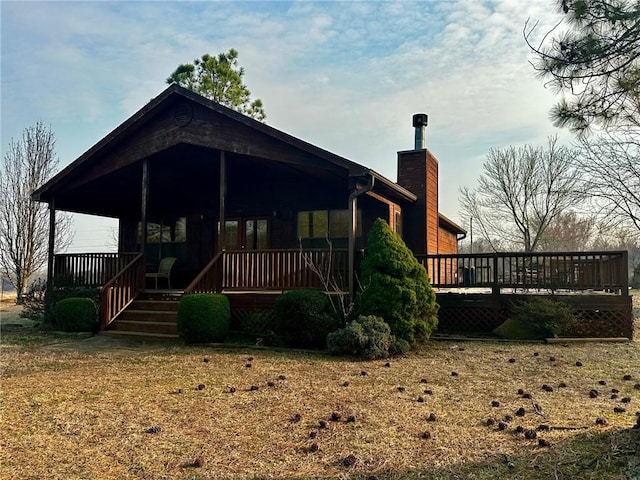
(272,270)
(283,269)
(90,269)
(209,280)
(121,290)
(604,271)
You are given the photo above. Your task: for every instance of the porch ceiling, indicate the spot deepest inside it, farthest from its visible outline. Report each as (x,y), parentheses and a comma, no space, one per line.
(186,132)
(184,179)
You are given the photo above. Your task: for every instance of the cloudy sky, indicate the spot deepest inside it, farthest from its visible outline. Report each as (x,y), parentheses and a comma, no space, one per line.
(345,76)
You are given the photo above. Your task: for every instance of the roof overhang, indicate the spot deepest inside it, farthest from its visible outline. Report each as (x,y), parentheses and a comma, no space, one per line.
(176,93)
(450,225)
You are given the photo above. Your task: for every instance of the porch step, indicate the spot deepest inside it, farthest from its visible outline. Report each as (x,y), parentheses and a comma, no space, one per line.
(153,314)
(140,336)
(144,326)
(154,305)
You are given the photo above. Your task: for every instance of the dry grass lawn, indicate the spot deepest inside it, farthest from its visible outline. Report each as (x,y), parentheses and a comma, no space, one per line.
(78,409)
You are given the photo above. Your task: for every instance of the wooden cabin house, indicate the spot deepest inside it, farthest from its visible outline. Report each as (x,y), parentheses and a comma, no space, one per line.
(238,204)
(250,211)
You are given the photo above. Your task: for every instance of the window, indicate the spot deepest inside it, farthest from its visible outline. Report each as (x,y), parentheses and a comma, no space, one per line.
(165,239)
(326,223)
(231,235)
(256,234)
(398,223)
(313,224)
(165,232)
(339,223)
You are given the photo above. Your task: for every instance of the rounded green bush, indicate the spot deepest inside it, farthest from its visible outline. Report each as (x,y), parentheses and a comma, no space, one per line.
(368,338)
(513,329)
(547,317)
(204,317)
(76,315)
(537,318)
(396,286)
(305,317)
(399,347)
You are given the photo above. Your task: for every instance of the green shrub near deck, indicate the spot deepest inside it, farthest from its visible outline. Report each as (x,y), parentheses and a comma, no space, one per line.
(76,314)
(305,317)
(367,338)
(204,317)
(537,318)
(396,287)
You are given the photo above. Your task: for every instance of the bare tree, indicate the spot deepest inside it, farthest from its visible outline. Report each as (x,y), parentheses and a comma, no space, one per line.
(24,223)
(622,239)
(521,191)
(611,176)
(569,232)
(480,245)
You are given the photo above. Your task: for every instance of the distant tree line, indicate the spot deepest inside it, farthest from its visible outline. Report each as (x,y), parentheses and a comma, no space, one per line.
(530,198)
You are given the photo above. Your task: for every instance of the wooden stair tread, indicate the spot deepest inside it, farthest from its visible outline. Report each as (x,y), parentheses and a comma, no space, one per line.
(140,335)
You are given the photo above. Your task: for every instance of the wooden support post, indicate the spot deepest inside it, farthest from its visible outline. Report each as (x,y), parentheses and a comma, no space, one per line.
(495,288)
(624,273)
(223,199)
(353,224)
(144,200)
(50,254)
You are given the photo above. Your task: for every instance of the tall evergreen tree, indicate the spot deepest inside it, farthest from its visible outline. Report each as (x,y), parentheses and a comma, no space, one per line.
(221,80)
(592,56)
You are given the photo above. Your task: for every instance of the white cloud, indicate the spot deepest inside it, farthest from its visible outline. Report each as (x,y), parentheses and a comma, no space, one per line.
(346,76)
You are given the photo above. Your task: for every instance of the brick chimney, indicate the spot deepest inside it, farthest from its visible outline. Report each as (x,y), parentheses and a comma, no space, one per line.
(418,173)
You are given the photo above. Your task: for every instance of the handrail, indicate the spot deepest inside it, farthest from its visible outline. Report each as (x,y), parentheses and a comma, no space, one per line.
(202,283)
(121,290)
(283,269)
(92,269)
(597,270)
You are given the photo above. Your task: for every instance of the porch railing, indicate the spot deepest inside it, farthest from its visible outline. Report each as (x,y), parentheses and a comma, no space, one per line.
(549,270)
(90,269)
(209,280)
(121,290)
(272,270)
(284,269)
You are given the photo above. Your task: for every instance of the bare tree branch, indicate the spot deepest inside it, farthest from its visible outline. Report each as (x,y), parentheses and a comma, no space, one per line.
(24,223)
(596,60)
(611,180)
(521,191)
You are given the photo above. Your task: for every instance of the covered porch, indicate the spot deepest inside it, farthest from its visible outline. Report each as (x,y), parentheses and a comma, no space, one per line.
(120,277)
(238,204)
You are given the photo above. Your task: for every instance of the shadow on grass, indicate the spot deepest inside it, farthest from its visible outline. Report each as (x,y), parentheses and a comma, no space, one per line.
(606,455)
(38,337)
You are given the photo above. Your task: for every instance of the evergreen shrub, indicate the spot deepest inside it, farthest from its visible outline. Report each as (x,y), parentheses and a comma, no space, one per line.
(537,318)
(67,287)
(366,337)
(203,317)
(396,287)
(304,318)
(76,315)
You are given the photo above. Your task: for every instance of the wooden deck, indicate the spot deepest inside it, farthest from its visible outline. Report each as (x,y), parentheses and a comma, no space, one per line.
(527,272)
(475,292)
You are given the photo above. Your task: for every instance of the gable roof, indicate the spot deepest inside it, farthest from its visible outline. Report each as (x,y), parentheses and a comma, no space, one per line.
(128,127)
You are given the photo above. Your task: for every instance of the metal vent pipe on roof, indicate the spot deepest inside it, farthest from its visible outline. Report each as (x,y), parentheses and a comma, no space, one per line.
(420,121)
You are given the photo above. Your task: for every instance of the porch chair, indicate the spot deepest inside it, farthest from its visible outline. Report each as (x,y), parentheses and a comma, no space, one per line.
(164,271)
